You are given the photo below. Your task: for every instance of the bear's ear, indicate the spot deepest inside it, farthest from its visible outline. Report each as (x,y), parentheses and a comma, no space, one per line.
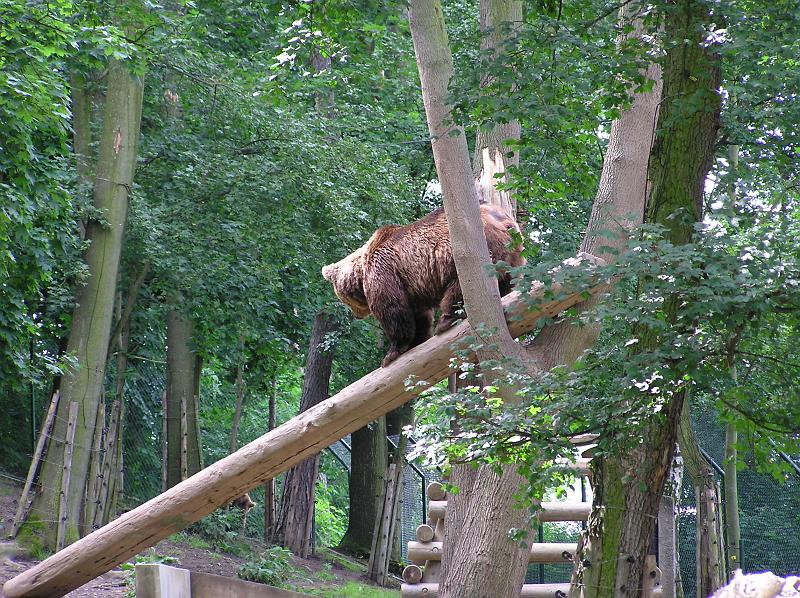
(329,272)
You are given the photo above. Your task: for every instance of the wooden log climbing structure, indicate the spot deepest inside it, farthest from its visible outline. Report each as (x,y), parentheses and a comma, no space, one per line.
(421,578)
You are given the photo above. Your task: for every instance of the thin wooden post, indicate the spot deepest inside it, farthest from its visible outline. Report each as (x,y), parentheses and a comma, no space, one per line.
(667,553)
(22,506)
(95,472)
(61,534)
(269,485)
(164,449)
(184,441)
(107,469)
(198,436)
(301,437)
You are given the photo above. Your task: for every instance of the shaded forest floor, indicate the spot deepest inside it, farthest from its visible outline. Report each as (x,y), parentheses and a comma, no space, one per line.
(329,575)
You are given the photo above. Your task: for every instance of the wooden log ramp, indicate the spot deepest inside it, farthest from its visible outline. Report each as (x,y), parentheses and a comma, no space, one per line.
(301,437)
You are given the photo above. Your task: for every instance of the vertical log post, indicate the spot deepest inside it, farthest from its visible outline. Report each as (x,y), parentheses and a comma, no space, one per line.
(96,468)
(164,450)
(269,485)
(69,445)
(22,507)
(108,468)
(184,441)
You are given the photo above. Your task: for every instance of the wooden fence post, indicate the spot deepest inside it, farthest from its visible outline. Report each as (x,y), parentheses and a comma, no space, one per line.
(22,507)
(61,534)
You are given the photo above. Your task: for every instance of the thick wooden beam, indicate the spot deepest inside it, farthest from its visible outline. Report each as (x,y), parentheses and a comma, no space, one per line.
(301,437)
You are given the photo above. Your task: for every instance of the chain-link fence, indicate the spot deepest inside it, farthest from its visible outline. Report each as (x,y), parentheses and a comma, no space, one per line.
(769,513)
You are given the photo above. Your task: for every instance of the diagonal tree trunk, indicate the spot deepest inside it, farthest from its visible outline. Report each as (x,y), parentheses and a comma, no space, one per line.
(91,321)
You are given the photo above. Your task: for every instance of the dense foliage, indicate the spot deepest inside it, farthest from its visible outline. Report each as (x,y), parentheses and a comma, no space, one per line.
(277,136)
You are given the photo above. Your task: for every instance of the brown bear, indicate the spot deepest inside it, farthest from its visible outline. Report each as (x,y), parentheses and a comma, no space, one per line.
(404,272)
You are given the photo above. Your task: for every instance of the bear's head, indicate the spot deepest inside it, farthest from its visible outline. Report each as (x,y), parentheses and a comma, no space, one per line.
(347,278)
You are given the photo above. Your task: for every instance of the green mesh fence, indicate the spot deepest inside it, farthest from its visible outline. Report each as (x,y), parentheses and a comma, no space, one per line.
(769,514)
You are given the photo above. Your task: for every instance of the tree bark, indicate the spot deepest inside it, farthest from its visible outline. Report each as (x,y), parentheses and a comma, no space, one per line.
(611,561)
(498,21)
(91,321)
(295,521)
(81,97)
(369,457)
(180,395)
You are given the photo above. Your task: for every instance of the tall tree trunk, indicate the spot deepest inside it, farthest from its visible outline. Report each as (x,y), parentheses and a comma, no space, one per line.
(181,417)
(627,490)
(466,570)
(731,484)
(82,134)
(709,556)
(621,193)
(499,20)
(91,320)
(294,528)
(369,457)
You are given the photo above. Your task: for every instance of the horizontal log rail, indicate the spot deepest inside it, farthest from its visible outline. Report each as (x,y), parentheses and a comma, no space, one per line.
(301,437)
(546,552)
(550,511)
(529,590)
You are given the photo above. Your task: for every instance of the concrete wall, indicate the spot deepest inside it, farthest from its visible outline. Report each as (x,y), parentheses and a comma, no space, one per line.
(162,581)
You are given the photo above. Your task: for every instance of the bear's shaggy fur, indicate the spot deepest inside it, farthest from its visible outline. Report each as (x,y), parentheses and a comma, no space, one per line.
(404,272)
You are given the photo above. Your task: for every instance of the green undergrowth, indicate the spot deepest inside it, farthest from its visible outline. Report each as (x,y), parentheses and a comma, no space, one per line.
(352,589)
(342,560)
(31,538)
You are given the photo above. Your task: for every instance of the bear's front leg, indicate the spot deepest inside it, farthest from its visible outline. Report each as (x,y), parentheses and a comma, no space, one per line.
(389,304)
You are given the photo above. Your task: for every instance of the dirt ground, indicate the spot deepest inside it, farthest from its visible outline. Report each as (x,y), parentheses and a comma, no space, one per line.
(118,583)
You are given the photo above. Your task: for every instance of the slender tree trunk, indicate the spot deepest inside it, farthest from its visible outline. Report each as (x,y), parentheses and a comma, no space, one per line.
(91,321)
(709,555)
(466,570)
(294,528)
(369,457)
(731,484)
(627,490)
(180,397)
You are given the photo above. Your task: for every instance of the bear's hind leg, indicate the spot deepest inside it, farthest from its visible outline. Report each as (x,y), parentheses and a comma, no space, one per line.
(451,301)
(424,322)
